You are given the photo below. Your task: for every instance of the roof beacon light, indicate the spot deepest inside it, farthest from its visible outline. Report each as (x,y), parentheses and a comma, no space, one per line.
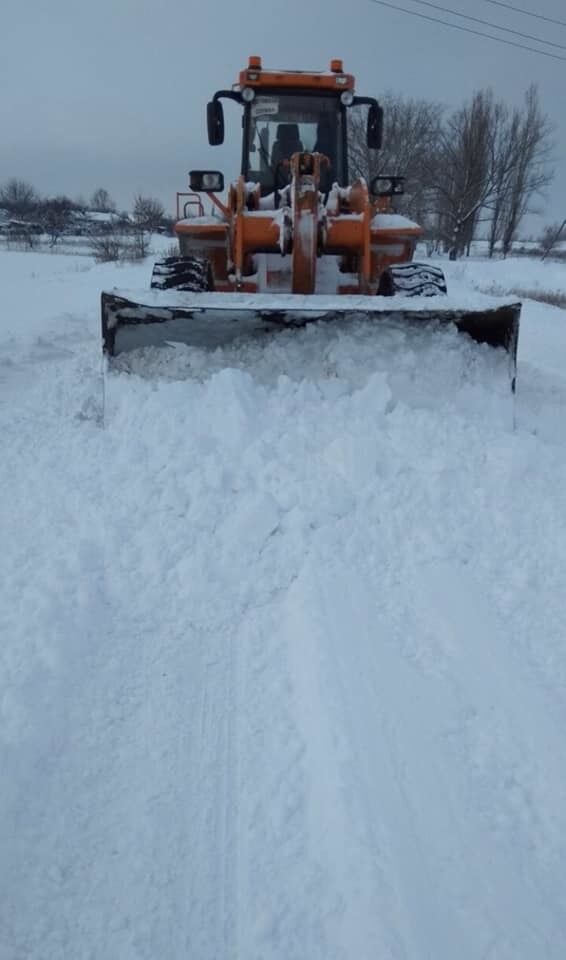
(337,66)
(254,63)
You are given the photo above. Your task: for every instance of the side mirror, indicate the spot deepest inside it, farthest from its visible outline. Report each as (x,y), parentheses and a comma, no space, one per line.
(215,123)
(375,127)
(387,186)
(206,181)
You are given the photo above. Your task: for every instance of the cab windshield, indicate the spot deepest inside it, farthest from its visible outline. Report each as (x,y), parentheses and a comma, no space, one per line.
(280,125)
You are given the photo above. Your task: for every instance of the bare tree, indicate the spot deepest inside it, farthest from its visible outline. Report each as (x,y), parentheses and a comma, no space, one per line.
(23,233)
(138,245)
(56,217)
(107,246)
(504,161)
(411,140)
(19,197)
(102,202)
(531,171)
(464,173)
(551,235)
(148,213)
(446,162)
(481,163)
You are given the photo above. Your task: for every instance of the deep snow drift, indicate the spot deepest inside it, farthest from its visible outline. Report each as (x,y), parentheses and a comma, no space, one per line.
(283,660)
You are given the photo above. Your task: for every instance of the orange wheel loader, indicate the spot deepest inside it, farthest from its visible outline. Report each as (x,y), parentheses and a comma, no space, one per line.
(293,239)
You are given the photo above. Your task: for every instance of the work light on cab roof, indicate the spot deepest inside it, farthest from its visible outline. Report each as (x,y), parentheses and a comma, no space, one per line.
(297,236)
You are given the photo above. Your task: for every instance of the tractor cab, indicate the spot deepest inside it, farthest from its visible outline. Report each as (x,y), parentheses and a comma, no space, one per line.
(293,112)
(276,126)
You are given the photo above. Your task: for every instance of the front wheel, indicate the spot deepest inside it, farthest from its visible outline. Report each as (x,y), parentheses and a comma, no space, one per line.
(182,273)
(411,280)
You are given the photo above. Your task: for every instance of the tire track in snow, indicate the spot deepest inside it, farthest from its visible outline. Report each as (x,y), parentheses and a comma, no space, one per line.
(519,768)
(278,876)
(353,730)
(460,890)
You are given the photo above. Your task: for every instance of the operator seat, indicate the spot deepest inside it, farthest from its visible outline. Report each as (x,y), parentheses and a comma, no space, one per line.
(286,144)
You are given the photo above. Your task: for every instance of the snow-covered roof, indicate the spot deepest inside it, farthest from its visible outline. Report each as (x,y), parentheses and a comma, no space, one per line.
(97,216)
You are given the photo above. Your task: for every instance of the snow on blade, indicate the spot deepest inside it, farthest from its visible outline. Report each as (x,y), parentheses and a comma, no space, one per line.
(464,298)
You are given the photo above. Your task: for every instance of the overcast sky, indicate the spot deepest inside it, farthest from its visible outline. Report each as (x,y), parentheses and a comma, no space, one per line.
(113,93)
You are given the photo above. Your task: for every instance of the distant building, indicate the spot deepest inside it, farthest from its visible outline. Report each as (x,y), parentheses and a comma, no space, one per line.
(94,221)
(11,227)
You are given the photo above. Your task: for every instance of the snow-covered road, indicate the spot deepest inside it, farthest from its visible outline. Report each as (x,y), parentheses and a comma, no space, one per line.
(283,658)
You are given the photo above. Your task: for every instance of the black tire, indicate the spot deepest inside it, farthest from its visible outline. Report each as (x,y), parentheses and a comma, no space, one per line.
(182,273)
(412,280)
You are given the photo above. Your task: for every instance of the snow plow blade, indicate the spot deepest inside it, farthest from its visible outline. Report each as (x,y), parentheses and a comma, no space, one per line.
(213,319)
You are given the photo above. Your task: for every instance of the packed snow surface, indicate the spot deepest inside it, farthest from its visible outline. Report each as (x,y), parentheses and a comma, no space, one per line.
(283,659)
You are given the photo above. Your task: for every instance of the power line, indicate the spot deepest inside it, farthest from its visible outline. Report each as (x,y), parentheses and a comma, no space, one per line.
(488,23)
(477,33)
(526,13)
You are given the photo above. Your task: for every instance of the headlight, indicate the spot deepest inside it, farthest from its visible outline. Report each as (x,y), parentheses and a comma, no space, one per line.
(248,94)
(212,181)
(347,98)
(387,186)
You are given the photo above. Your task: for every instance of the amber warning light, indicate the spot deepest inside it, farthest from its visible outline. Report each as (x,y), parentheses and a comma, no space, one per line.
(337,66)
(254,63)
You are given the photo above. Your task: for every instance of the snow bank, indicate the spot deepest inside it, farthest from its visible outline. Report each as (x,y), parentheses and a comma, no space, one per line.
(515,273)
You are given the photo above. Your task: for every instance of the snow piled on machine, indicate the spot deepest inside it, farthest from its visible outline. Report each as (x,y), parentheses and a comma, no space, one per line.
(283,660)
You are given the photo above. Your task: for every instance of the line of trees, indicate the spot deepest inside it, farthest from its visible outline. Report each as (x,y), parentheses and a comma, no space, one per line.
(30,214)
(476,170)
